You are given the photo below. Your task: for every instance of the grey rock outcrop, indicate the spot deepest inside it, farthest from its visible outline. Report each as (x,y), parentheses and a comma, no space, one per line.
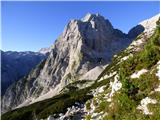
(16,65)
(83,45)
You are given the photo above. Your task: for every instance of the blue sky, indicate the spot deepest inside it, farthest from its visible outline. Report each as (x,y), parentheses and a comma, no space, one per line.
(29,26)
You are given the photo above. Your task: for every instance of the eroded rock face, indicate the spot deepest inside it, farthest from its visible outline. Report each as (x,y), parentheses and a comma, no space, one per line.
(83,45)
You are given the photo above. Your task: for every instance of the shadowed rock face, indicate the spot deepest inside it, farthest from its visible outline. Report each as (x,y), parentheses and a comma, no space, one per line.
(16,65)
(83,45)
(135,31)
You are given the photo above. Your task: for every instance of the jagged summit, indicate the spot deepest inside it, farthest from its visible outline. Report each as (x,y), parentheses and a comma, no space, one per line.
(95,30)
(89,16)
(95,21)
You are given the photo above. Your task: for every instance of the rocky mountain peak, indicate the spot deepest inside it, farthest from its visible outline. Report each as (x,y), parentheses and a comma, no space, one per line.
(94,30)
(91,22)
(83,45)
(89,17)
(92,17)
(92,36)
(97,21)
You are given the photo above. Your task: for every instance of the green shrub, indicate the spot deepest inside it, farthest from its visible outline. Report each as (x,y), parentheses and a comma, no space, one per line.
(87,117)
(102,106)
(88,105)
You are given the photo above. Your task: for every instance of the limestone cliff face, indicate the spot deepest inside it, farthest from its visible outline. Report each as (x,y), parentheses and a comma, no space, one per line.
(83,45)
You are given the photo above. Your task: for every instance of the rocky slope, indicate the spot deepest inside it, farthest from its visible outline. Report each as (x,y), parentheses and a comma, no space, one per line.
(16,65)
(84,48)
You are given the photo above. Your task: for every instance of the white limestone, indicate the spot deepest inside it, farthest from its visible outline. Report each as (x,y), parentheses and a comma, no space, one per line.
(71,111)
(150,24)
(98,90)
(157,89)
(144,103)
(139,73)
(158,72)
(108,76)
(137,42)
(126,57)
(101,89)
(50,118)
(116,85)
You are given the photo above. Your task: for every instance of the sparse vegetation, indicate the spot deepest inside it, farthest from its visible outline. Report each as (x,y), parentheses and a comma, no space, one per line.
(134,90)
(103,105)
(88,105)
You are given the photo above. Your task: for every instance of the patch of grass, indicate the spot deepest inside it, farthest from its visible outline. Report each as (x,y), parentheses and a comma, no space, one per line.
(103,105)
(88,117)
(88,105)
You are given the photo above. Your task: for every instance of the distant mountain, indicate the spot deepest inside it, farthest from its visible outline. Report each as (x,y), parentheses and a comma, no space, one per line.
(15,65)
(84,48)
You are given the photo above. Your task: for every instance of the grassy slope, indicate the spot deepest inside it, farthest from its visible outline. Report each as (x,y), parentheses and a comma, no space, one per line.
(125,102)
